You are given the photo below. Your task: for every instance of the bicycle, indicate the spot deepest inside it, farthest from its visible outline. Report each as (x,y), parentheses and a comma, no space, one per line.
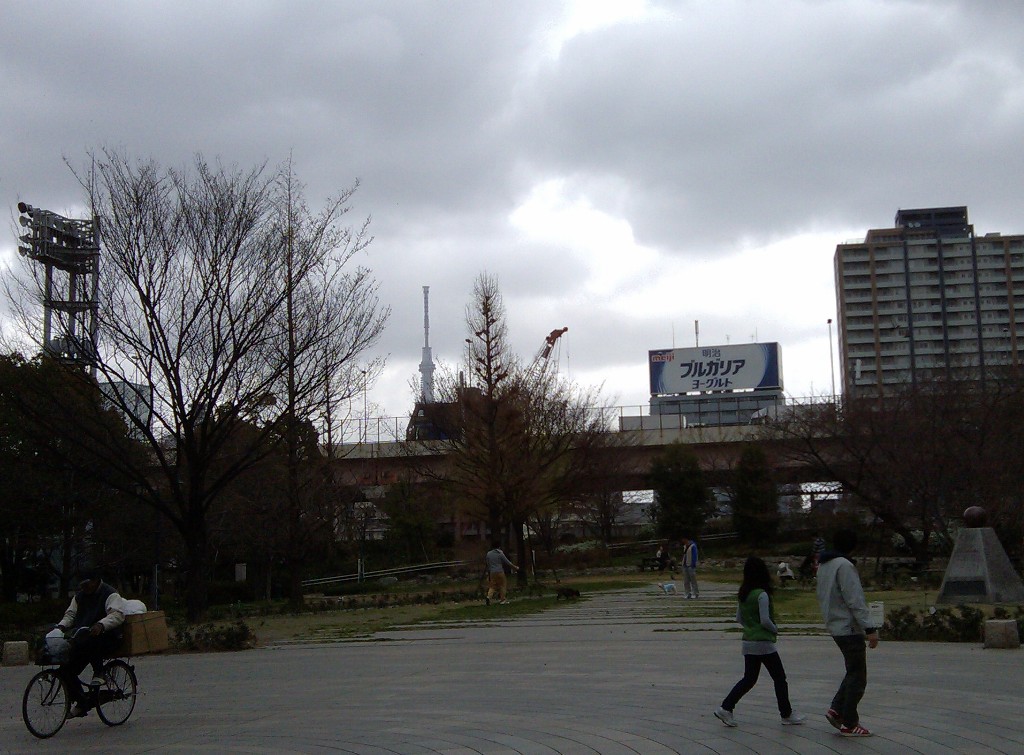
(46,702)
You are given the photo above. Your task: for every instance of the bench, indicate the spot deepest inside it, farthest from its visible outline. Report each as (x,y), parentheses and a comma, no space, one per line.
(654,564)
(891,565)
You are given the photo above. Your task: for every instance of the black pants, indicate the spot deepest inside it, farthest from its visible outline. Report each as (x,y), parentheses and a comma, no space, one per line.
(855,682)
(751,670)
(86,650)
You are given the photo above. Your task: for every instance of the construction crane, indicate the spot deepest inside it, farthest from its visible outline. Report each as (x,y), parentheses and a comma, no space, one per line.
(540,359)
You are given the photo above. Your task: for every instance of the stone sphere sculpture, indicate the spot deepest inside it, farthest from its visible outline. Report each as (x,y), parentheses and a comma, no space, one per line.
(974,516)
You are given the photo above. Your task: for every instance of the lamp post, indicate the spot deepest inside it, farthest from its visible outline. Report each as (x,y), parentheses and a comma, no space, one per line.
(831,360)
(366,416)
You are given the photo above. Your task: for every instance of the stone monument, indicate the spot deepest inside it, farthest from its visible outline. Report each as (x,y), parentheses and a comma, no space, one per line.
(979,570)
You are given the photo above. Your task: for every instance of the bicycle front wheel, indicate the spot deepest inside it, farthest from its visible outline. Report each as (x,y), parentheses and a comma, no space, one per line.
(116,698)
(45,704)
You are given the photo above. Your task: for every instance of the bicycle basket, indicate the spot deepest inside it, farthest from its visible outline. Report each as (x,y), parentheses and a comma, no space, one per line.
(55,650)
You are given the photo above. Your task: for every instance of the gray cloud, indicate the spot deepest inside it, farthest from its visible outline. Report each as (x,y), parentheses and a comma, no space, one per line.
(725,125)
(706,128)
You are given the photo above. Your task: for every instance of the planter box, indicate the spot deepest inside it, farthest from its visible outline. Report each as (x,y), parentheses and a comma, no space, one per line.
(15,653)
(144,633)
(1001,633)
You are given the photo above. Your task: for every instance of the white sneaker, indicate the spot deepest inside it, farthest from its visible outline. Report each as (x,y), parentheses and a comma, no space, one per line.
(794,719)
(725,716)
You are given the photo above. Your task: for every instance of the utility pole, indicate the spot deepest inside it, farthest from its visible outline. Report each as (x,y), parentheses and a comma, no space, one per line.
(831,360)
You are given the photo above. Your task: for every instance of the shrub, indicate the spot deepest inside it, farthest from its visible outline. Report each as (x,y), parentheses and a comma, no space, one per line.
(25,621)
(580,547)
(224,591)
(1000,612)
(960,624)
(205,637)
(937,542)
(902,624)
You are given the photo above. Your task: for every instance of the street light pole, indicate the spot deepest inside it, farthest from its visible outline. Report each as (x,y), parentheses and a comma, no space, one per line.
(366,415)
(831,360)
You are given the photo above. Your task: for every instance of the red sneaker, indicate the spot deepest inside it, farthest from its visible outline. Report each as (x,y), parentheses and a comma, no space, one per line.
(854,731)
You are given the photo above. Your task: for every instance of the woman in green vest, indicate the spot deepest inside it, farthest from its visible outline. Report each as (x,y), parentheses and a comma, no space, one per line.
(759,633)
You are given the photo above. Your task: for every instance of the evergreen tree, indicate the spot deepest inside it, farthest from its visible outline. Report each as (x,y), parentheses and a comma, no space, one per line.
(682,501)
(755,504)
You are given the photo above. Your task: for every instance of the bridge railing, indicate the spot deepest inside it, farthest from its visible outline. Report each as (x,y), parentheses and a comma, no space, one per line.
(378,573)
(376,430)
(362,575)
(653,544)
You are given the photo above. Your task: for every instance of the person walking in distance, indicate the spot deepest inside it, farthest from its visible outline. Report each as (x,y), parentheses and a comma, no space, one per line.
(497,583)
(817,548)
(757,617)
(689,568)
(845,611)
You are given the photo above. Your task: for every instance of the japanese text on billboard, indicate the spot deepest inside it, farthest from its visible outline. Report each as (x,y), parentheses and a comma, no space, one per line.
(716,368)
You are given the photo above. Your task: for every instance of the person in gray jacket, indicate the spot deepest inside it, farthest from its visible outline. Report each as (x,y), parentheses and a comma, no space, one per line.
(497,584)
(845,611)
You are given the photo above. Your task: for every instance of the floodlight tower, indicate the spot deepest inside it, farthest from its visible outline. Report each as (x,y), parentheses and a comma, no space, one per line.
(70,252)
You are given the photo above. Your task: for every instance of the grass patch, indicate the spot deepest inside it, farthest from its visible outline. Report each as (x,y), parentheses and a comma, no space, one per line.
(519,607)
(373,608)
(337,625)
(800,604)
(343,624)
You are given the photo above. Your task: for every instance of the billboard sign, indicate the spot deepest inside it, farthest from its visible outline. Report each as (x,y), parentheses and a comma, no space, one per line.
(716,368)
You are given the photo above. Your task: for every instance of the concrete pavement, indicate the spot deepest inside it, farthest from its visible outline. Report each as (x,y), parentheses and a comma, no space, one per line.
(632,671)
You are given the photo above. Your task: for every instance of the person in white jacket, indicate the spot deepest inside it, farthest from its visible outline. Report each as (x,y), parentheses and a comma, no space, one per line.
(96,611)
(845,611)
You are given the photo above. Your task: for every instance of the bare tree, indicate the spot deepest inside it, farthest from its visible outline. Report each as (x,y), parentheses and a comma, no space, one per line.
(916,458)
(601,511)
(222,297)
(331,316)
(520,438)
(560,450)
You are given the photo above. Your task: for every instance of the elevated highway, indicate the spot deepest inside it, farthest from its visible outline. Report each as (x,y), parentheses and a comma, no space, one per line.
(630,456)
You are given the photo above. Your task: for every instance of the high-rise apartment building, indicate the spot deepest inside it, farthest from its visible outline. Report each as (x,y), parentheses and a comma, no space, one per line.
(928,299)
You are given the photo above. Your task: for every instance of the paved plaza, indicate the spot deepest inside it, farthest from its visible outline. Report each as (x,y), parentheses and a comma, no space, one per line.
(632,671)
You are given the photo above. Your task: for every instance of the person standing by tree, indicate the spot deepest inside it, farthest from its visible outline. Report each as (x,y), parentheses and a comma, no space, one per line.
(664,557)
(845,611)
(689,568)
(496,561)
(755,614)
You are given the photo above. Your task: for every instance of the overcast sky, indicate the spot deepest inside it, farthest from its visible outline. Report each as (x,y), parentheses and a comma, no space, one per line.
(623,168)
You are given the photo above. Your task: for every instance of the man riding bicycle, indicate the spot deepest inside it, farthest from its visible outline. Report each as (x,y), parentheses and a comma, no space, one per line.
(97,608)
